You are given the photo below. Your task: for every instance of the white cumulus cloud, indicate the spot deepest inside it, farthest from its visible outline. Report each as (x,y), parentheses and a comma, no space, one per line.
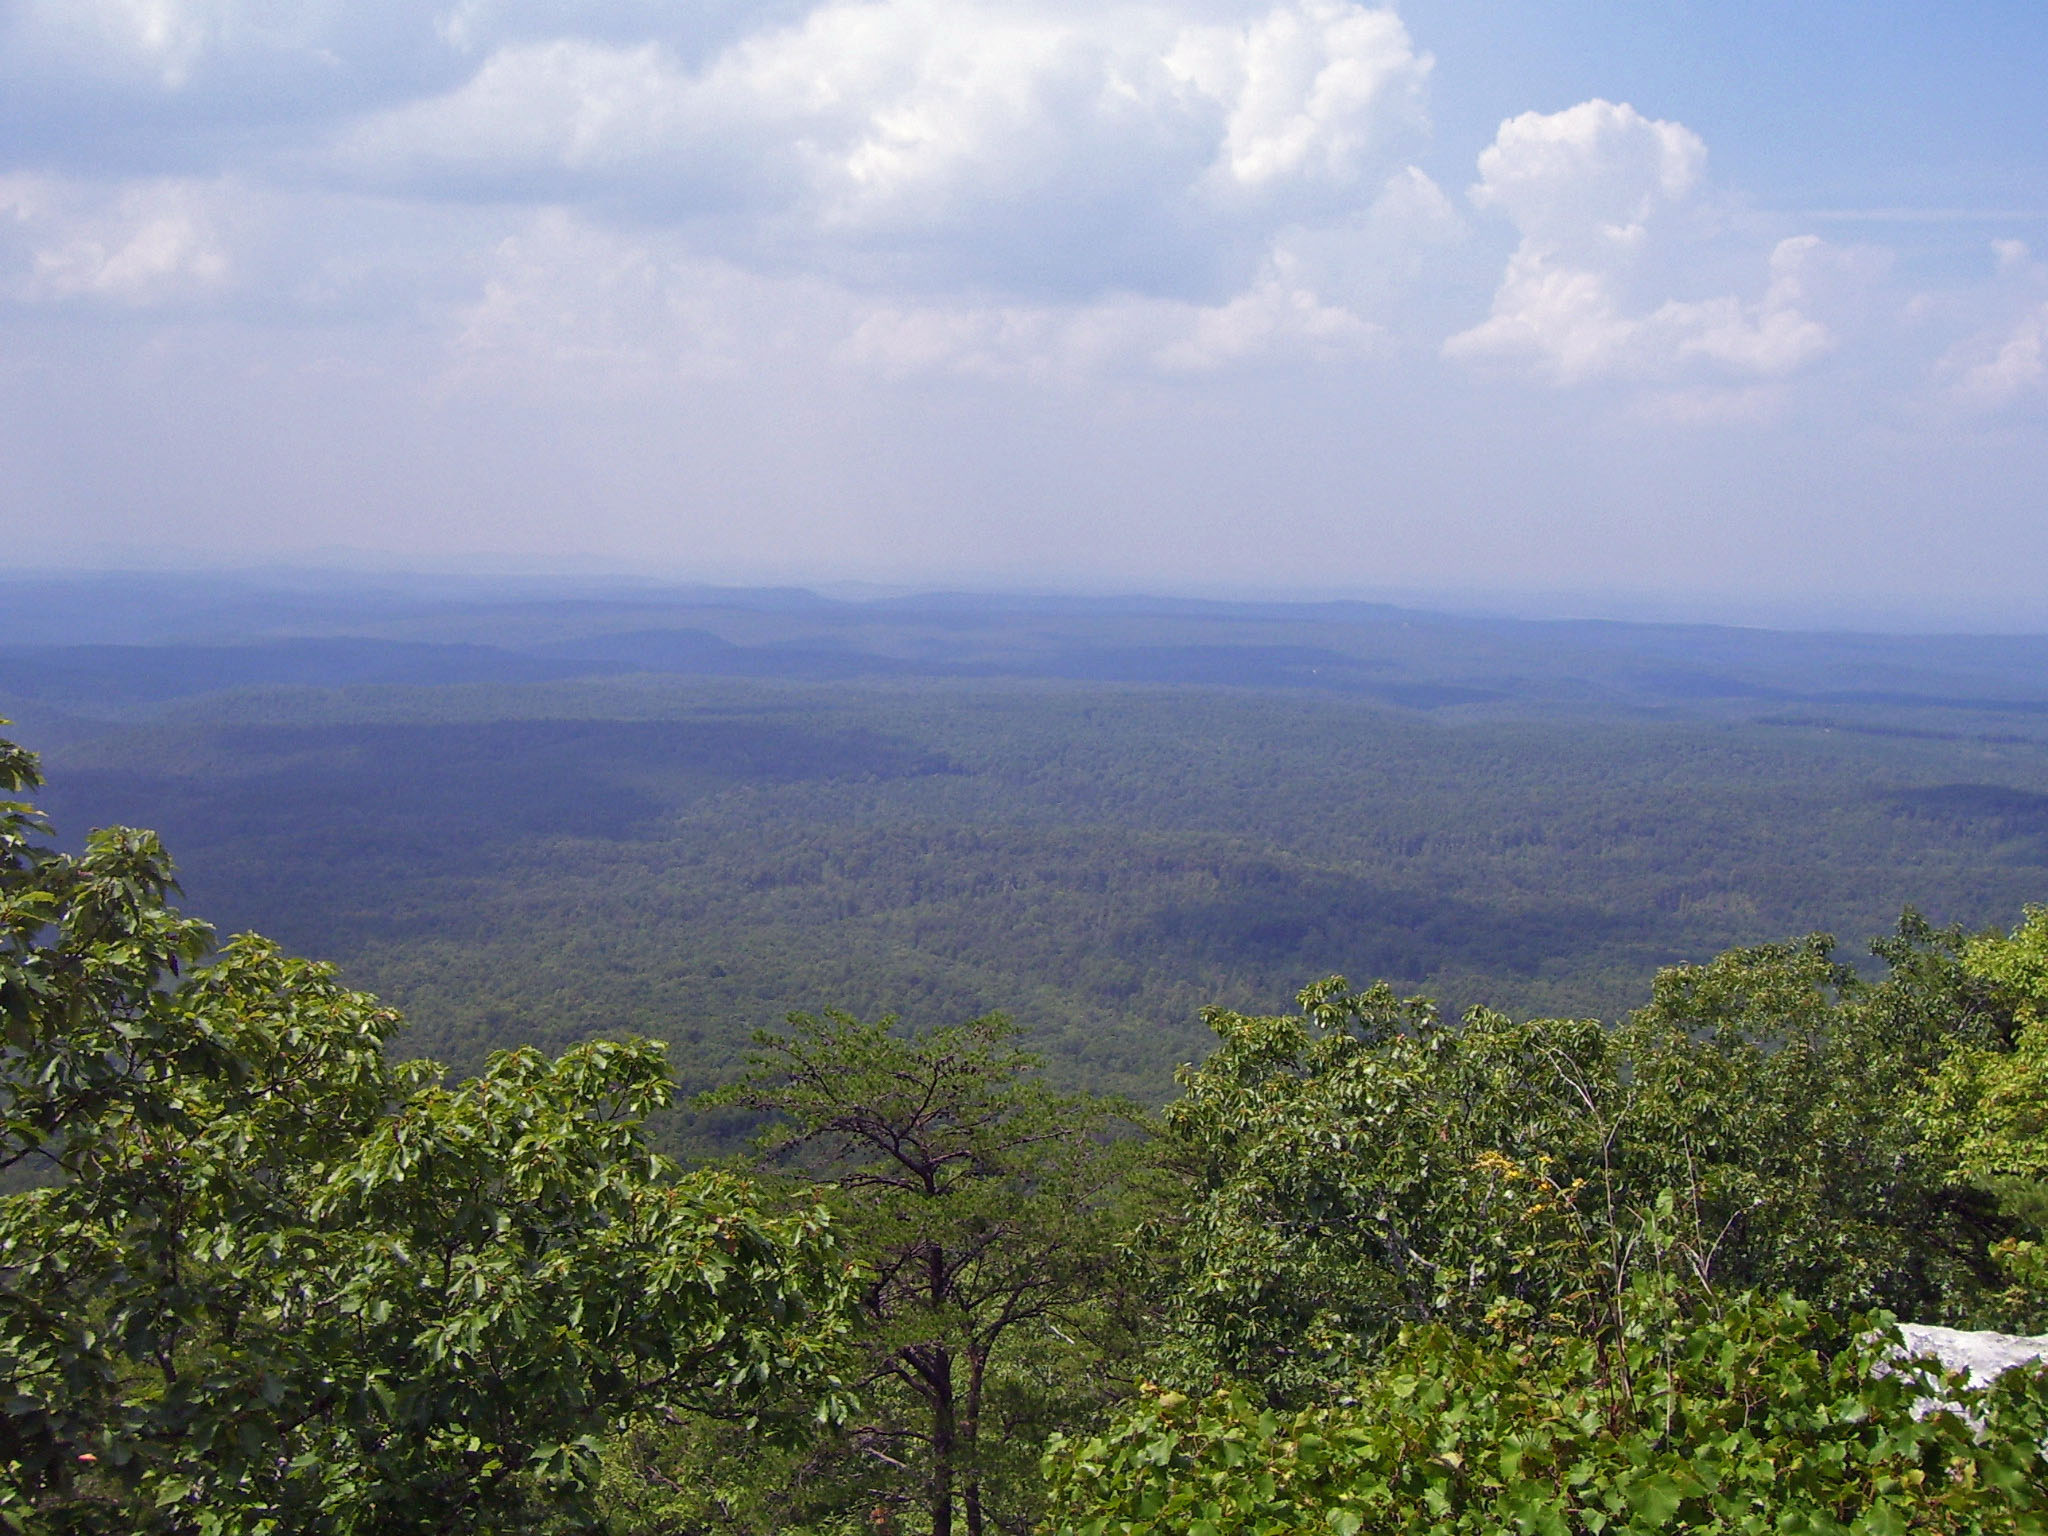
(1770,336)
(1310,90)
(1596,172)
(1132,146)
(2016,364)
(138,244)
(1594,192)
(2005,360)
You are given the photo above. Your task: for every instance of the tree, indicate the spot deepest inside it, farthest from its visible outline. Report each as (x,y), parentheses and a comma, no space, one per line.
(274,1281)
(980,1205)
(1551,1276)
(1364,1165)
(1989,1102)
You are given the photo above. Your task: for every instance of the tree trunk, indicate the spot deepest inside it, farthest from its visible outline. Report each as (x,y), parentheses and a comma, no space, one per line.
(945,1445)
(977,1365)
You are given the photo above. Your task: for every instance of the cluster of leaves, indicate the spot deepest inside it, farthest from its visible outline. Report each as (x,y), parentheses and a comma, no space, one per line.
(1989,1104)
(1363,1165)
(1753,1418)
(271,1280)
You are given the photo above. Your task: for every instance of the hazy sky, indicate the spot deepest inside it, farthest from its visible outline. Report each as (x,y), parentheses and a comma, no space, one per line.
(1719,303)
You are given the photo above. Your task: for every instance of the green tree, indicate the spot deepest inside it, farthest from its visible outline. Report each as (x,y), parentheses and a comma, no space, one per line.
(982,1208)
(1994,1095)
(1364,1165)
(273,1281)
(1508,1275)
(1989,1102)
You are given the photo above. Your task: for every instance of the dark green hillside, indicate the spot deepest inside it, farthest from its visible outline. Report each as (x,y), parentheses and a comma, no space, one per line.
(693,858)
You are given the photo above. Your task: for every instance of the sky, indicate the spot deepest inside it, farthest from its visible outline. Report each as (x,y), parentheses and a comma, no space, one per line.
(1728,309)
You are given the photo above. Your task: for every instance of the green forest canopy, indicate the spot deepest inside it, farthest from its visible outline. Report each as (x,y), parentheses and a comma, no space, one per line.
(692,859)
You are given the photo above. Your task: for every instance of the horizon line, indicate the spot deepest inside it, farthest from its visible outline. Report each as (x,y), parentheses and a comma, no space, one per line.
(1555,605)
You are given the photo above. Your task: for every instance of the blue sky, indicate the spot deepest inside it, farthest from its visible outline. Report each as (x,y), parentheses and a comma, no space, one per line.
(1618,305)
(1824,104)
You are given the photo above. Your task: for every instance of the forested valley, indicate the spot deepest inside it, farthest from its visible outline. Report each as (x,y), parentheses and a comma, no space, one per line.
(711,1070)
(538,821)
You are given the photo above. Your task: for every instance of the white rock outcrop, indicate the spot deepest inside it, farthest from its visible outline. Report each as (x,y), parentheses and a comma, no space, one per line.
(1986,1356)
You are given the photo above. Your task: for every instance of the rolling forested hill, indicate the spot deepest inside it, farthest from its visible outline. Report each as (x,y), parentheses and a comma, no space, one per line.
(541,816)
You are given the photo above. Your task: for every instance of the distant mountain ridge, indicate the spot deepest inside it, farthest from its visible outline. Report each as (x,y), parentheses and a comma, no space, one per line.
(1403,658)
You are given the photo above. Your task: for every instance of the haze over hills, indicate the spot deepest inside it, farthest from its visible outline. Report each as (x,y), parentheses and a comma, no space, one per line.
(91,647)
(541,816)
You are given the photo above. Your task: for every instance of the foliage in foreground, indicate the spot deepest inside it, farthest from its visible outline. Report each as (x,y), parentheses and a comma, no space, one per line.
(1989,1103)
(1746,1420)
(1364,1165)
(276,1283)
(1480,1279)
(983,1211)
